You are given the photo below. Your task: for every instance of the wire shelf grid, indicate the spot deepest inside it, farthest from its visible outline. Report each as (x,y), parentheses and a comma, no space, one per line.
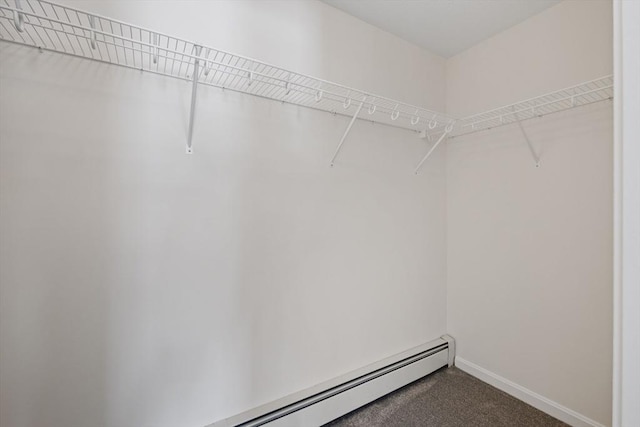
(50,26)
(53,27)
(585,93)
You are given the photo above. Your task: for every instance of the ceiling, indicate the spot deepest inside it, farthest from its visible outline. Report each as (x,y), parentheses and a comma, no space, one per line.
(445,27)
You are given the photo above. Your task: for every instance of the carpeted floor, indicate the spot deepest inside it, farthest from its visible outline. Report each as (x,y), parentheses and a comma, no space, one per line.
(447,398)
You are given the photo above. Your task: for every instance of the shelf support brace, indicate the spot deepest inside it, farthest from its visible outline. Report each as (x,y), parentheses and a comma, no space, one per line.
(535,157)
(194,92)
(92,33)
(446,132)
(346,132)
(18,18)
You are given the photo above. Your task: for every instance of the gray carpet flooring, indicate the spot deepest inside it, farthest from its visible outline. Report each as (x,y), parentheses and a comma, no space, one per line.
(447,398)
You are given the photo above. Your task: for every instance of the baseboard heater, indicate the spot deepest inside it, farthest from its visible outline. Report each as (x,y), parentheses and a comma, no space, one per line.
(332,399)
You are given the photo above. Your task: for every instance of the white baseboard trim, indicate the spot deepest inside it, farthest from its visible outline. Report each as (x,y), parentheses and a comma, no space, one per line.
(548,406)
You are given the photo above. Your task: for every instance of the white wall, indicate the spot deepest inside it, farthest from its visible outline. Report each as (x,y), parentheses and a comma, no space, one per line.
(144,287)
(560,47)
(530,250)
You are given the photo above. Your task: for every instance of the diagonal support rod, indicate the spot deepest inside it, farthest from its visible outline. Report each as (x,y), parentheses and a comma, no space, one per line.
(194,93)
(536,159)
(446,132)
(346,132)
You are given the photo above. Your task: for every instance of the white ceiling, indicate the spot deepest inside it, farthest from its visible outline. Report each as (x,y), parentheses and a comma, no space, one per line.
(445,27)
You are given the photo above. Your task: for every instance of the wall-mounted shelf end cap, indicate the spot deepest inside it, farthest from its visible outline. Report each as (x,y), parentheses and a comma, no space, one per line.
(451,342)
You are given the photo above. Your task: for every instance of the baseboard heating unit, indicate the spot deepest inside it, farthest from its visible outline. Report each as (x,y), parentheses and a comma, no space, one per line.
(332,399)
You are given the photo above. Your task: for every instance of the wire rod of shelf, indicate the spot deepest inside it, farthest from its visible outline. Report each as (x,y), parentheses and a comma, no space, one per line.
(53,27)
(585,93)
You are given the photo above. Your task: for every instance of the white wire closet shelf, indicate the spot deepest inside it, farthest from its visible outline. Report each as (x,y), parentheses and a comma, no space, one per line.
(50,26)
(575,96)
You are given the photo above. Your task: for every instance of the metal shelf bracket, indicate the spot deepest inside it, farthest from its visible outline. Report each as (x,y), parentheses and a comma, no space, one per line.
(446,132)
(532,151)
(346,132)
(92,33)
(18,17)
(194,93)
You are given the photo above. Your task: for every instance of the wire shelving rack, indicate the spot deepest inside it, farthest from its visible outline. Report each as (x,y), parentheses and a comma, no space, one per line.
(52,27)
(575,96)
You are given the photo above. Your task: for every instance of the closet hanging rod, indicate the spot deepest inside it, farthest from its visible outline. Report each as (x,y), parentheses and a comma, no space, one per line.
(53,27)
